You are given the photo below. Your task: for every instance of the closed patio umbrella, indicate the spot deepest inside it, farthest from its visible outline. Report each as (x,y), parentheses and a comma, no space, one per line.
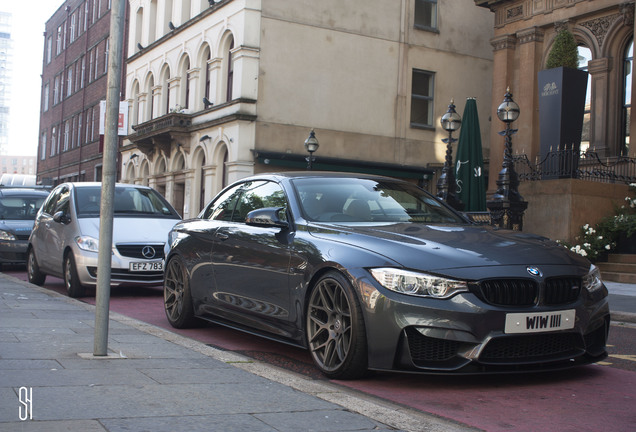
(469,174)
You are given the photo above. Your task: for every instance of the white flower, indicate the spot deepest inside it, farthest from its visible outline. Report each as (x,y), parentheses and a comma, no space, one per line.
(608,247)
(600,237)
(586,245)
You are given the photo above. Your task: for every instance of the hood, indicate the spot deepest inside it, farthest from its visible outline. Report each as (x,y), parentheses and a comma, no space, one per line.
(131,230)
(441,247)
(17,227)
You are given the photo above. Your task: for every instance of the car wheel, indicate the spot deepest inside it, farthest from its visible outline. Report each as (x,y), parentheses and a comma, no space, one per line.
(33,269)
(335,328)
(71,281)
(177,299)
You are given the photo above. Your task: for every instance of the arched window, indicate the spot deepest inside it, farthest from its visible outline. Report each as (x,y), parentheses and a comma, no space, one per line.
(628,65)
(139,25)
(585,55)
(165,89)
(230,70)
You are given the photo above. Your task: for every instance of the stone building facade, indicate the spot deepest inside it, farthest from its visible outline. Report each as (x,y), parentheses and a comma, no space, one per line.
(218,90)
(524,32)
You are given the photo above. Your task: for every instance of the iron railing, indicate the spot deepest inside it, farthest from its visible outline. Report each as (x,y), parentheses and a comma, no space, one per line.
(572,164)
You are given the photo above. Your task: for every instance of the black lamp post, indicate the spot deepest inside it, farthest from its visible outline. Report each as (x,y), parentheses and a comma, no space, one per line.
(311,145)
(446,185)
(507,205)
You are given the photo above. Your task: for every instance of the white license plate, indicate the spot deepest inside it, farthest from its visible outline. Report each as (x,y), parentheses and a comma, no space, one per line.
(146,266)
(540,321)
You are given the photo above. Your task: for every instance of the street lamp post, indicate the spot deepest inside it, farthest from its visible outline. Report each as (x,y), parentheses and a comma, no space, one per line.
(311,145)
(446,184)
(507,205)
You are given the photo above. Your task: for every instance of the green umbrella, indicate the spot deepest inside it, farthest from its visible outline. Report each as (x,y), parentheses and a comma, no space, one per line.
(469,174)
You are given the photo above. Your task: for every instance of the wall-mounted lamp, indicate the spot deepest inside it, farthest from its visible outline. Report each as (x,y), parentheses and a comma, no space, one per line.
(171,26)
(203,138)
(206,103)
(140,46)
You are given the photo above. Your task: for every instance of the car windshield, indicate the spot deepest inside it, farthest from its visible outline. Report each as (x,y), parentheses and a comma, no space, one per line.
(20,207)
(128,201)
(368,200)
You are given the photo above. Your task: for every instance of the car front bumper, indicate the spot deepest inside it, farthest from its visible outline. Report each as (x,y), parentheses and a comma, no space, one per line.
(465,334)
(121,273)
(13,252)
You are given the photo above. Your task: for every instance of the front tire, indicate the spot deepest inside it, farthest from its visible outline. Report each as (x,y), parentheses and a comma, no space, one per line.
(36,277)
(335,328)
(73,286)
(177,299)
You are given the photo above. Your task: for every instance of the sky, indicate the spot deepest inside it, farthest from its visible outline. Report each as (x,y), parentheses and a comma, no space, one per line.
(29,17)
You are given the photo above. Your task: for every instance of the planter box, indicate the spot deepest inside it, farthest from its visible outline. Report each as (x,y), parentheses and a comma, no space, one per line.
(561,109)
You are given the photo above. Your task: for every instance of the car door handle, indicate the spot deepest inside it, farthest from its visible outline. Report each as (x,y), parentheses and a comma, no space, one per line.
(222,236)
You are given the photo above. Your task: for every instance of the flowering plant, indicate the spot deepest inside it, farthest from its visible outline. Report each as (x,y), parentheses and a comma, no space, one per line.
(602,238)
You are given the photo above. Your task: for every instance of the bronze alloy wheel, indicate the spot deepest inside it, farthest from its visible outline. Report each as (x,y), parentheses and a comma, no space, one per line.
(335,329)
(176,295)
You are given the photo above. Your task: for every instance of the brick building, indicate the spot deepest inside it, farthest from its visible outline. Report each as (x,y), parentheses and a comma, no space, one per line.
(74,75)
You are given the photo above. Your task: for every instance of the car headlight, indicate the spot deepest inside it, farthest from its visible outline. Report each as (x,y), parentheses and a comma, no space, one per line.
(592,281)
(418,284)
(5,235)
(87,243)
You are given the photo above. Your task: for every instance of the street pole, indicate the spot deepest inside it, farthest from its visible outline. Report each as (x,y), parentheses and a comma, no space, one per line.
(109,177)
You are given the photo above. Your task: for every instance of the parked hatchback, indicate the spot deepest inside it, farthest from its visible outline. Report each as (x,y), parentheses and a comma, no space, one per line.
(18,207)
(64,241)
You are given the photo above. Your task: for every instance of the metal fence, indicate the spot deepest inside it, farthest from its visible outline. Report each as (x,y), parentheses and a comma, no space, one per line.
(572,164)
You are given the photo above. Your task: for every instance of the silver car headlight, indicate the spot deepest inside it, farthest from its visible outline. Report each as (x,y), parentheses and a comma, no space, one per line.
(418,284)
(592,281)
(5,235)
(87,243)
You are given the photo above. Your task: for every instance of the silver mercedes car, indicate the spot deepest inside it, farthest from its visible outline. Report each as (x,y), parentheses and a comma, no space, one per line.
(65,237)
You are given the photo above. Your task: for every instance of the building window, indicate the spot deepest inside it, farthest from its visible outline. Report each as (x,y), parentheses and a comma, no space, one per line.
(58,45)
(106,57)
(66,134)
(585,55)
(45,97)
(43,148)
(628,67)
(230,72)
(422,99)
(53,141)
(72,28)
(426,14)
(83,72)
(69,83)
(56,90)
(49,49)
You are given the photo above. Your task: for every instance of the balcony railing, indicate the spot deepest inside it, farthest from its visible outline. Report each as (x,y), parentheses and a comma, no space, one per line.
(572,164)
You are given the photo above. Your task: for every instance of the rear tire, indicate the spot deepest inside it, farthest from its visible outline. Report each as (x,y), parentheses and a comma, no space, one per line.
(73,286)
(177,299)
(36,277)
(335,328)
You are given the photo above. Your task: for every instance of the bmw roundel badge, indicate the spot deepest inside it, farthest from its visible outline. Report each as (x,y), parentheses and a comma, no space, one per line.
(534,271)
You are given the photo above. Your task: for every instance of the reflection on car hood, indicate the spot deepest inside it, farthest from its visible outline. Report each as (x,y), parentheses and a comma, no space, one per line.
(438,247)
(131,230)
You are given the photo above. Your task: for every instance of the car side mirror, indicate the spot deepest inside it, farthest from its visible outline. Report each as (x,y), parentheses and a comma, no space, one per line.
(266,217)
(61,217)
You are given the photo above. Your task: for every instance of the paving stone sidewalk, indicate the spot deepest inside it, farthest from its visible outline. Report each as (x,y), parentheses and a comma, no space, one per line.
(155,380)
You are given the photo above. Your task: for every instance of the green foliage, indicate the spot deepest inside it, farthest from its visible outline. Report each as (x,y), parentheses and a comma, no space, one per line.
(564,51)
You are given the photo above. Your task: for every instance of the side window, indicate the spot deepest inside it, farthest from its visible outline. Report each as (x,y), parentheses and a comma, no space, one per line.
(259,195)
(223,206)
(49,204)
(62,203)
